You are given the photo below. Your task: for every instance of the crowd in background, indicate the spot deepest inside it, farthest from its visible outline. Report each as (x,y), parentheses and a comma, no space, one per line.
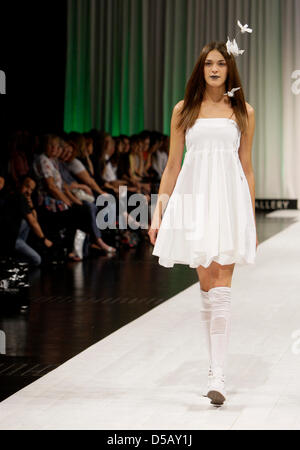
(49,185)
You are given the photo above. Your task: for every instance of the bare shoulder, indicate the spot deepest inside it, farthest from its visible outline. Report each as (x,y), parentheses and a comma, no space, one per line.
(179,104)
(176,116)
(251,120)
(178,107)
(251,117)
(250,110)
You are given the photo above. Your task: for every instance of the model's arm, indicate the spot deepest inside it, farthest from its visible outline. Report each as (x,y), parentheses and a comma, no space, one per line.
(172,169)
(245,154)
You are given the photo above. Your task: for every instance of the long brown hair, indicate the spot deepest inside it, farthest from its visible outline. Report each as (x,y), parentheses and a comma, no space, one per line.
(196,84)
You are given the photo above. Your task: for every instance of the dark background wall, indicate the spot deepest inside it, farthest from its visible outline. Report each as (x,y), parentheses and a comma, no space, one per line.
(33,55)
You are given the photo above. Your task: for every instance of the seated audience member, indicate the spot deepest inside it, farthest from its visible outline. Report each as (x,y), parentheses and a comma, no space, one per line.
(124,171)
(119,162)
(102,143)
(99,162)
(145,152)
(111,159)
(76,188)
(7,185)
(68,177)
(110,164)
(105,167)
(18,218)
(51,196)
(78,170)
(96,157)
(2,191)
(159,155)
(18,148)
(137,164)
(85,151)
(122,147)
(2,182)
(57,205)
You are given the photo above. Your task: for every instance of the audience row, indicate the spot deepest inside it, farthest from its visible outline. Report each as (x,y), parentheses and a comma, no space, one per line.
(49,187)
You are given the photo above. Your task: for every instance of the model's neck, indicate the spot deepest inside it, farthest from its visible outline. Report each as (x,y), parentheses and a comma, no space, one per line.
(214,94)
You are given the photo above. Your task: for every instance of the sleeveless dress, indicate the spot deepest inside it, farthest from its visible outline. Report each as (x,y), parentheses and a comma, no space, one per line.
(209,215)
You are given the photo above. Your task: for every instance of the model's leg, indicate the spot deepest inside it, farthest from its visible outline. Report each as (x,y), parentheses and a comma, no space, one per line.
(205,314)
(220,301)
(205,317)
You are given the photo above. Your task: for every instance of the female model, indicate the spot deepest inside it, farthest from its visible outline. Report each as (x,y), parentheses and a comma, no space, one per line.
(215,186)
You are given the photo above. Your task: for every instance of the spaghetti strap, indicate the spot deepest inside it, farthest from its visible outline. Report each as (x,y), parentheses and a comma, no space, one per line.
(231,115)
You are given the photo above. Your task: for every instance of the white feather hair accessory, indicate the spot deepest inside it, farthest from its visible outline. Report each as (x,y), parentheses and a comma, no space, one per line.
(233,49)
(231,93)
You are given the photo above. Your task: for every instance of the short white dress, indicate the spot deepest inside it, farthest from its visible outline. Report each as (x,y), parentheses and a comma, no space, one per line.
(209,215)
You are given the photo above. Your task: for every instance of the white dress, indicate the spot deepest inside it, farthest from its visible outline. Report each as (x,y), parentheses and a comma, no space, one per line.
(209,216)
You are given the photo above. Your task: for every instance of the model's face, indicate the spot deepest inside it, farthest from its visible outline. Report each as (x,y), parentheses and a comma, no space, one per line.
(215,65)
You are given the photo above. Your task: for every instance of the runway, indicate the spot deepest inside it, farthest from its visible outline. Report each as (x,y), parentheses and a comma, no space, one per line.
(151,372)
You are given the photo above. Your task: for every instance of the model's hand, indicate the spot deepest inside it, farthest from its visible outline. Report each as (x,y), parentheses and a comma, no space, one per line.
(154,227)
(152,233)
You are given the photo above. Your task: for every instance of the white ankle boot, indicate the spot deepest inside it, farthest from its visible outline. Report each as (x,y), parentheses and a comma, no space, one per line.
(220,301)
(216,387)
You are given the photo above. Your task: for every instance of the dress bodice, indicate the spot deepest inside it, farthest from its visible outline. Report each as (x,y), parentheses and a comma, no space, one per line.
(209,216)
(213,134)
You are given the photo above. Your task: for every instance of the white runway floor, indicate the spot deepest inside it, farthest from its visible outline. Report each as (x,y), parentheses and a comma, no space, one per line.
(150,373)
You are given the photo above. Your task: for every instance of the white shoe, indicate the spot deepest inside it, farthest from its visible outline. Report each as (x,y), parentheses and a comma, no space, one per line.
(217,392)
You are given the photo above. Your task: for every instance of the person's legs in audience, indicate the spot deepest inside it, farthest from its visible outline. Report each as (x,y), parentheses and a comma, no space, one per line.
(23,250)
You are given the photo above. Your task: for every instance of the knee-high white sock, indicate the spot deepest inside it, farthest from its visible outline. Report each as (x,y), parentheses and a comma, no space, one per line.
(205,317)
(220,301)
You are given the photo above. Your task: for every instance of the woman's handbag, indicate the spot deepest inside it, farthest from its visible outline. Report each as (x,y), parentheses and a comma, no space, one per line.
(82,195)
